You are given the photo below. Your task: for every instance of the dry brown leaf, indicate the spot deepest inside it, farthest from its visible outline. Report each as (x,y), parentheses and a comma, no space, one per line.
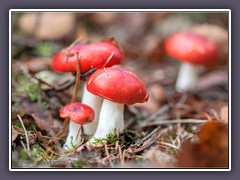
(14,134)
(34,64)
(159,158)
(210,151)
(152,48)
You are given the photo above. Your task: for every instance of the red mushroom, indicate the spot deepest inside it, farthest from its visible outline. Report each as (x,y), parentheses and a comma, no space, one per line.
(90,56)
(79,114)
(118,86)
(193,50)
(96,55)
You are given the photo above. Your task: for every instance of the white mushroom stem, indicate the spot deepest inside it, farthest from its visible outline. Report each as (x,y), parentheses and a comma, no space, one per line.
(95,103)
(110,119)
(187,77)
(72,139)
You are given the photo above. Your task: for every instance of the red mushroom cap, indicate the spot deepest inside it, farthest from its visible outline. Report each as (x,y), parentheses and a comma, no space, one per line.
(78,113)
(90,56)
(118,85)
(191,48)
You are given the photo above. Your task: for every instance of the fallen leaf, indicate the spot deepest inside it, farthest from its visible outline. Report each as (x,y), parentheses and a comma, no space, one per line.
(211,149)
(15,134)
(152,48)
(159,158)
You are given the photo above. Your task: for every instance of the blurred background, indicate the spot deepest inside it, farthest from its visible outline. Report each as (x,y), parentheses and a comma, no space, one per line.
(36,37)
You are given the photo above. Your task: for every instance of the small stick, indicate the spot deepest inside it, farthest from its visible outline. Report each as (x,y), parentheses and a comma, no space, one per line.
(66,121)
(77,81)
(123,158)
(79,132)
(151,142)
(116,145)
(151,133)
(120,155)
(164,122)
(108,155)
(26,134)
(71,45)
(169,145)
(108,59)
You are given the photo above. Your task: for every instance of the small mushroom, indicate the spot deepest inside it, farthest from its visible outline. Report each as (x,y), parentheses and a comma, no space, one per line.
(118,86)
(194,51)
(79,114)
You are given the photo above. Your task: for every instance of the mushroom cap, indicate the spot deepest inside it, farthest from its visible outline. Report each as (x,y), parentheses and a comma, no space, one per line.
(192,48)
(218,35)
(118,85)
(90,56)
(78,113)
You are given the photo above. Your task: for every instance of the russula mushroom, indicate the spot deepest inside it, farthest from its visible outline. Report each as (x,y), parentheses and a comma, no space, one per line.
(118,86)
(96,55)
(79,114)
(194,51)
(218,35)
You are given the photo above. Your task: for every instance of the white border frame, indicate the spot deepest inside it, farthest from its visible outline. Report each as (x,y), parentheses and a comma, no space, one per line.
(119,10)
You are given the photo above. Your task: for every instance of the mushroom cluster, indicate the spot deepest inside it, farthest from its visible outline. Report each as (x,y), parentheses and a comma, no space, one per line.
(100,85)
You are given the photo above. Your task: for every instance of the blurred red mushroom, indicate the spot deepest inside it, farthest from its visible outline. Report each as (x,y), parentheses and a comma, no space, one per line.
(193,50)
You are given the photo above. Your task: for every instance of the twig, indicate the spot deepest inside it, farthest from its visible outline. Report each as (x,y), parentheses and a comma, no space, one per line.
(151,133)
(123,156)
(44,144)
(164,122)
(26,134)
(79,133)
(151,142)
(116,145)
(120,155)
(161,111)
(169,145)
(76,148)
(108,155)
(77,81)
(108,59)
(66,121)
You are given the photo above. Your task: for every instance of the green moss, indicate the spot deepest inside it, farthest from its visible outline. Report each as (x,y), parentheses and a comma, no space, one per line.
(78,163)
(71,142)
(44,49)
(32,88)
(24,155)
